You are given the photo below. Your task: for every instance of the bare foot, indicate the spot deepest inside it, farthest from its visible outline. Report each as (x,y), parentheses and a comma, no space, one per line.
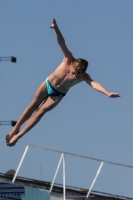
(10,135)
(13,141)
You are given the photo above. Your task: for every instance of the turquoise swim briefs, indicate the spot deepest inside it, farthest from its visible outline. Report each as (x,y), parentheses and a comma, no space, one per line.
(52,91)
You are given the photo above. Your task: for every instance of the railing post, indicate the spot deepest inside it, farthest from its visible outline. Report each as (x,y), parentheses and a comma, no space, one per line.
(64,178)
(95,179)
(24,154)
(56,173)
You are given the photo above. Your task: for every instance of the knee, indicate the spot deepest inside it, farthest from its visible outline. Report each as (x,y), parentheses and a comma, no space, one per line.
(33,106)
(41,112)
(39,115)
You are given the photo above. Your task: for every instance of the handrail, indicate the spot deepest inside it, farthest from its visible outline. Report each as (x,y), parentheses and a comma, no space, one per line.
(62,159)
(72,154)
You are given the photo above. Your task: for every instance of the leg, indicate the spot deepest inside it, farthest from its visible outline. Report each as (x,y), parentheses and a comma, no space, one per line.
(49,104)
(40,96)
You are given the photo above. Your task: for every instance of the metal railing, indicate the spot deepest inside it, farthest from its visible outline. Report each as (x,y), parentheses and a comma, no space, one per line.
(62,159)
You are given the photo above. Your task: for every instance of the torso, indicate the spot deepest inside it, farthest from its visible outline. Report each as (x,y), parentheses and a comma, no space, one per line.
(62,79)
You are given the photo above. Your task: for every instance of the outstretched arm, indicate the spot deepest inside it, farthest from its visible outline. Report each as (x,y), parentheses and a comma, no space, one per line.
(99,87)
(60,39)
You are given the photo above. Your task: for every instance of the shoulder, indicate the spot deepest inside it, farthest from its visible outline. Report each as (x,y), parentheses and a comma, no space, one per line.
(87,78)
(69,59)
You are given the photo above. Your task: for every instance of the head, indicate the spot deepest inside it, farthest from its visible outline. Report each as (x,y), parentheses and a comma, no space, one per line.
(80,66)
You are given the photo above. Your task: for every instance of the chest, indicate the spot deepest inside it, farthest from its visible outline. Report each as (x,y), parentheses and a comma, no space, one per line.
(70,79)
(66,76)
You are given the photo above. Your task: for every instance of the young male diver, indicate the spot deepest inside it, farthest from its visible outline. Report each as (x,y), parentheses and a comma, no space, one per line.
(70,72)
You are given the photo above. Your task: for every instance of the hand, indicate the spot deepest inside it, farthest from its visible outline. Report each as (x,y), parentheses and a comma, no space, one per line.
(53,25)
(113,95)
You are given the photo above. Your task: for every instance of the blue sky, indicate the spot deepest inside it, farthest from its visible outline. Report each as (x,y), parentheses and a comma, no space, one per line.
(85,122)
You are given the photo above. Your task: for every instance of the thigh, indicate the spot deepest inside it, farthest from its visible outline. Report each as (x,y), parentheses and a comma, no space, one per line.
(50,103)
(40,94)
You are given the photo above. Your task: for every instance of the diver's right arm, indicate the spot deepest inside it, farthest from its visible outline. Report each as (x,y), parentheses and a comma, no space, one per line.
(60,39)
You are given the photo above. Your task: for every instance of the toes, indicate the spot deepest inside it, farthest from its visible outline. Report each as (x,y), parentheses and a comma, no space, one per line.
(7,138)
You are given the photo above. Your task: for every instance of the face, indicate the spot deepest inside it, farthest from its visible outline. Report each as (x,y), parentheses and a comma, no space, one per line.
(73,72)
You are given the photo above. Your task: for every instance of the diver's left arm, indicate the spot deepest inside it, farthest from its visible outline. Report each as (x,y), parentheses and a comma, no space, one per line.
(99,87)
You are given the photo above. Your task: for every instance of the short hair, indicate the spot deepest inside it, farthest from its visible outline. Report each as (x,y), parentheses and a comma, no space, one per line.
(80,65)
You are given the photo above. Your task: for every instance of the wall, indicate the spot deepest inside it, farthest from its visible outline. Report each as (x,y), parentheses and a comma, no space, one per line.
(18,192)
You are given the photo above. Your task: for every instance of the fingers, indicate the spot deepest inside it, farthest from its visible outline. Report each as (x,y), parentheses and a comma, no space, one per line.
(53,20)
(53,23)
(114,95)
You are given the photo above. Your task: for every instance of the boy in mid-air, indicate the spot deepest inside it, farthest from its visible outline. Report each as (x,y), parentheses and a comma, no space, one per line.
(49,94)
